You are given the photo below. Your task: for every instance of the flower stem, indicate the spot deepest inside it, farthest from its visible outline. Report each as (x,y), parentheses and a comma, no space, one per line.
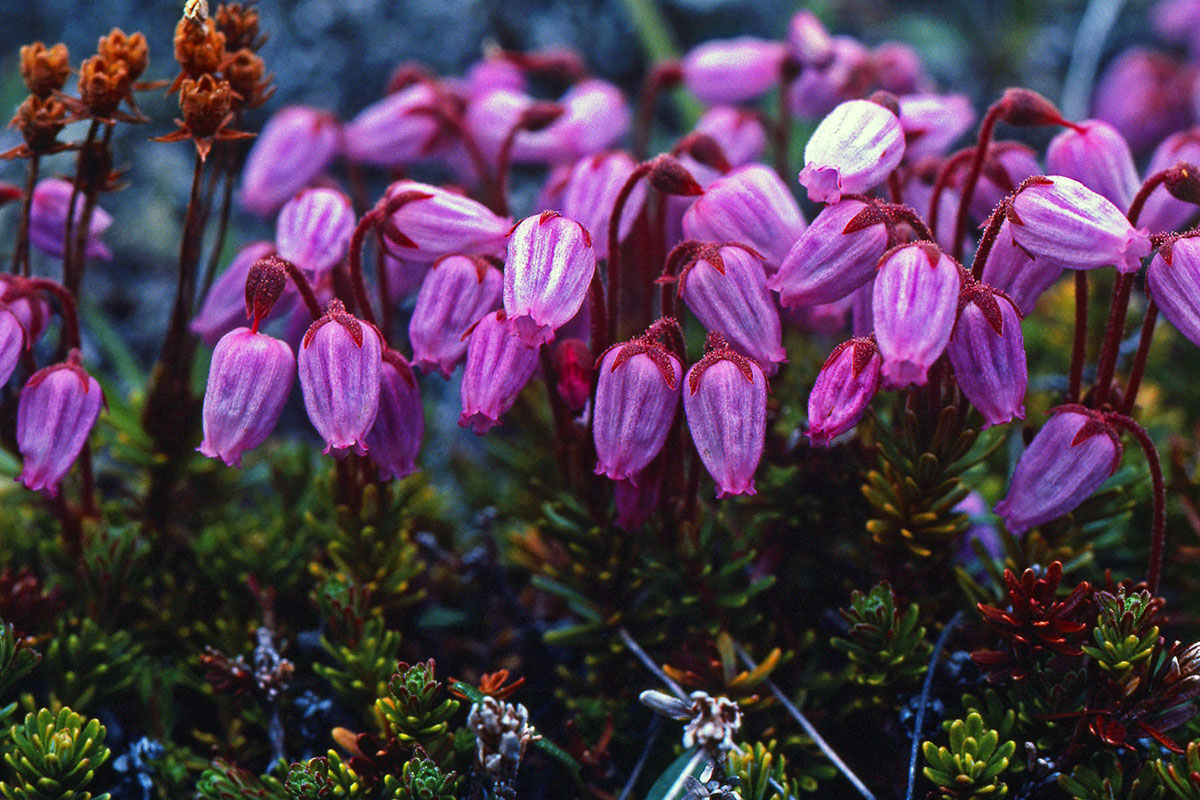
(226,166)
(1112,336)
(97,160)
(964,204)
(499,202)
(1079,349)
(1139,360)
(614,252)
(68,305)
(1158,531)
(944,176)
(20,262)
(987,242)
(357,282)
(76,187)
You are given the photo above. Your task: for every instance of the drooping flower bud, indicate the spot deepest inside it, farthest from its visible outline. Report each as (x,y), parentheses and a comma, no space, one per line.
(739,132)
(443,223)
(493,72)
(456,293)
(751,205)
(1006,165)
(574,363)
(590,189)
(844,388)
(854,149)
(395,131)
(1065,463)
(224,306)
(1164,212)
(933,122)
(248,384)
(847,74)
(726,288)
(339,378)
(898,68)
(1174,280)
(55,413)
(30,308)
(1097,156)
(395,439)
(725,401)
(1144,95)
(636,498)
(12,341)
(546,277)
(404,277)
(48,220)
(499,364)
(637,393)
(987,352)
(809,40)
(293,148)
(1061,219)
(914,304)
(735,70)
(1010,269)
(835,255)
(314,228)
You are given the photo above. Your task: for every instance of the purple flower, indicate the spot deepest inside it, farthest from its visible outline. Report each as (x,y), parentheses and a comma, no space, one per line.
(445,223)
(248,384)
(499,364)
(751,205)
(1062,220)
(835,255)
(1163,211)
(917,191)
(395,131)
(826,319)
(844,389)
(1174,280)
(914,304)
(933,122)
(988,354)
(589,190)
(1098,157)
(546,277)
(636,498)
(224,306)
(846,75)
(292,149)
(854,149)
(339,378)
(404,277)
(12,341)
(725,401)
(1010,269)
(898,68)
(637,393)
(574,364)
(314,228)
(395,438)
(739,132)
(1144,95)
(30,308)
(726,288)
(1065,463)
(1007,164)
(862,318)
(48,220)
(493,72)
(734,70)
(455,294)
(55,413)
(808,39)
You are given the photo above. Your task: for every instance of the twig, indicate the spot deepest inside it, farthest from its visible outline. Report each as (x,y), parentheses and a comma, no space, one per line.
(637,650)
(916,740)
(651,738)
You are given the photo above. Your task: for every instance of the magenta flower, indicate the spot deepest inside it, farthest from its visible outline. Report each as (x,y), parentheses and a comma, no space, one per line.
(987,352)
(445,223)
(899,69)
(404,277)
(12,341)
(751,205)
(835,255)
(546,277)
(224,306)
(314,228)
(499,364)
(1010,269)
(725,401)
(1062,220)
(492,114)
(30,308)
(734,70)
(636,498)
(1163,212)
(1065,463)
(637,393)
(574,363)
(339,378)
(933,122)
(844,388)
(493,72)
(456,293)
(862,317)
(825,319)
(1174,280)
(590,188)
(1007,164)
(854,149)
(916,190)
(293,148)
(395,131)
(48,220)
(395,439)
(55,413)
(726,288)
(808,39)
(1144,95)
(847,74)
(739,132)
(1098,157)
(914,303)
(248,384)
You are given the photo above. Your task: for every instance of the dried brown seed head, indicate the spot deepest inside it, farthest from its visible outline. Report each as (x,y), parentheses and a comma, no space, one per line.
(245,72)
(40,120)
(103,84)
(199,47)
(240,24)
(131,49)
(44,69)
(205,104)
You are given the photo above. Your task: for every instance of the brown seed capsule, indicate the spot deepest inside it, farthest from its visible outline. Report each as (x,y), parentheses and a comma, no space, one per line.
(240,25)
(40,120)
(199,47)
(205,105)
(132,50)
(245,74)
(44,70)
(103,84)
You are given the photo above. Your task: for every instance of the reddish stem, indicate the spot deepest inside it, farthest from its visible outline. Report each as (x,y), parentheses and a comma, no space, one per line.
(306,290)
(1159,529)
(788,72)
(503,167)
(20,262)
(357,282)
(987,242)
(82,230)
(659,77)
(66,301)
(1112,336)
(942,182)
(68,267)
(893,184)
(1079,350)
(1139,359)
(964,204)
(385,292)
(1139,200)
(614,249)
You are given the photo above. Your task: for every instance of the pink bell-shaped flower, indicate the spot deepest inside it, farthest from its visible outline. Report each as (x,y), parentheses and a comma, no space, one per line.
(339,378)
(1010,269)
(726,288)
(444,223)
(590,189)
(835,255)
(248,384)
(914,303)
(48,220)
(224,306)
(1097,156)
(499,364)
(1006,165)
(808,39)
(636,498)
(847,73)
(862,317)
(751,205)
(844,388)
(1068,459)
(898,68)
(725,401)
(637,393)
(546,277)
(55,413)
(30,308)
(12,341)
(1144,95)
(987,352)
(1163,212)
(933,122)
(1174,280)
(735,70)
(314,228)
(739,132)
(395,131)
(1060,219)
(456,293)
(852,150)
(395,439)
(293,148)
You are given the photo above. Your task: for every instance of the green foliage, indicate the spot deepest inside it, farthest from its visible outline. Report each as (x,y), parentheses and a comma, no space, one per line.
(1181,776)
(1111,780)
(417,712)
(88,665)
(360,670)
(310,780)
(885,644)
(1125,632)
(996,713)
(17,659)
(755,766)
(422,779)
(971,765)
(55,757)
(224,781)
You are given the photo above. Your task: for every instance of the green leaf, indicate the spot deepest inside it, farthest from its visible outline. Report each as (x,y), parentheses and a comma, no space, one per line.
(670,784)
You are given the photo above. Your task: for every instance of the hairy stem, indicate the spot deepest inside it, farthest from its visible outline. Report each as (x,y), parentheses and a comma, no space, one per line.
(1159,526)
(964,204)
(1079,348)
(1139,359)
(20,261)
